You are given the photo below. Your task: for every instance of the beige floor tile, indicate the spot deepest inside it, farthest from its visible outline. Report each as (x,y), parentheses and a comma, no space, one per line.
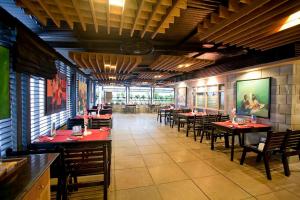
(248,180)
(129,162)
(295,190)
(224,164)
(124,143)
(219,187)
(157,159)
(182,156)
(172,147)
(150,149)
(279,195)
(196,169)
(166,173)
(181,190)
(132,178)
(144,142)
(126,151)
(141,193)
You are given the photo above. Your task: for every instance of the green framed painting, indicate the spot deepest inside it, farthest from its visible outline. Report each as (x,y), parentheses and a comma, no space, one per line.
(4,83)
(253,97)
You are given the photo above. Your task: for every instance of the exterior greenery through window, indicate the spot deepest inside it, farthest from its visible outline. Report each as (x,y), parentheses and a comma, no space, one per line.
(210,97)
(163,96)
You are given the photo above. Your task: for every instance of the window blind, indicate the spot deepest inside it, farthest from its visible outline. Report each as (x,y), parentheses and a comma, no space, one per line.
(41,123)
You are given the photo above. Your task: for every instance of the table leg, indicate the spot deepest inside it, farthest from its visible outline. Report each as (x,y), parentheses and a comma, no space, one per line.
(232,146)
(212,147)
(178,122)
(109,164)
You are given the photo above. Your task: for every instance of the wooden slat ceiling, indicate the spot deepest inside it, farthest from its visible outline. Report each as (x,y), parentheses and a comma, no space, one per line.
(155,75)
(251,24)
(178,63)
(197,11)
(154,16)
(106,66)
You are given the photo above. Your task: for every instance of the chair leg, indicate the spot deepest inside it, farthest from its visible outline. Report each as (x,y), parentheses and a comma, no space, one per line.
(202,134)
(195,135)
(226,138)
(285,163)
(258,158)
(266,158)
(243,156)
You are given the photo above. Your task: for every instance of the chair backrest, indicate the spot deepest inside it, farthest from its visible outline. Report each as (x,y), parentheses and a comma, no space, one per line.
(186,110)
(74,122)
(223,118)
(275,140)
(293,140)
(81,160)
(98,123)
(198,120)
(208,119)
(105,111)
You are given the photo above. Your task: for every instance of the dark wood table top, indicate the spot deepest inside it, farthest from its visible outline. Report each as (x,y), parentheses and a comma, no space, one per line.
(190,114)
(30,172)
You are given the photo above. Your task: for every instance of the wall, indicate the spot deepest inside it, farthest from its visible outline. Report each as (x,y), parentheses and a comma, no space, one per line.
(285,89)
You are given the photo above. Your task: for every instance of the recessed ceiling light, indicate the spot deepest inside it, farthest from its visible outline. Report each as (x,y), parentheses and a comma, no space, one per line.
(184,65)
(293,20)
(157,76)
(112,77)
(119,3)
(106,65)
(208,45)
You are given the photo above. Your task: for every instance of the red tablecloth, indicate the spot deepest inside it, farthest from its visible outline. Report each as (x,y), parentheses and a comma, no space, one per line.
(229,124)
(106,116)
(66,136)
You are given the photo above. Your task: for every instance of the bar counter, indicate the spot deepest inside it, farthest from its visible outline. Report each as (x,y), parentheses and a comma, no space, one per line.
(32,181)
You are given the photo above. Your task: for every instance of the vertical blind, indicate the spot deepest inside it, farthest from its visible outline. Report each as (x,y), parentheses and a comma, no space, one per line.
(41,123)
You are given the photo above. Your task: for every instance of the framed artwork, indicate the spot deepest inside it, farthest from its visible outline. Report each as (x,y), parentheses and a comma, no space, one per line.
(56,94)
(4,83)
(181,96)
(253,97)
(82,96)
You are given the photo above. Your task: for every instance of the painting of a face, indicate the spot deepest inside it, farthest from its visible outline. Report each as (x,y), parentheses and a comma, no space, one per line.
(253,97)
(56,94)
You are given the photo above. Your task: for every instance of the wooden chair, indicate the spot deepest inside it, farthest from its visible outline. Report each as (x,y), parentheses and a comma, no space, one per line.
(87,161)
(291,148)
(74,122)
(198,126)
(105,111)
(274,143)
(207,126)
(98,123)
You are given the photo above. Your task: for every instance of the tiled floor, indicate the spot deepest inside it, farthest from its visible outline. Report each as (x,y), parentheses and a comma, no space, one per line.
(153,161)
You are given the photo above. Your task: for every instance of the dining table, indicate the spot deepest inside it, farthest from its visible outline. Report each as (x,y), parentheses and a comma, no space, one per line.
(66,139)
(105,116)
(234,129)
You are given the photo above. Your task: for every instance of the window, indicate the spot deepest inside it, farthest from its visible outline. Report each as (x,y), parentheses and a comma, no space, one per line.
(140,95)
(114,94)
(163,96)
(210,97)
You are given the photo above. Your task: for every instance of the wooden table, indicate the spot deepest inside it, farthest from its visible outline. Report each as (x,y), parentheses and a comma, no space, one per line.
(33,180)
(64,138)
(234,129)
(106,116)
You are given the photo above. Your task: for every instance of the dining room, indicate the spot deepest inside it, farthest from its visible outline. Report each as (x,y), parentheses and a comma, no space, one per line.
(149,99)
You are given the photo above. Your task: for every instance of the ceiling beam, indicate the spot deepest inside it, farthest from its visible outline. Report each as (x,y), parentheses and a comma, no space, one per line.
(236,16)
(170,10)
(93,12)
(151,17)
(137,17)
(122,18)
(83,25)
(43,5)
(64,13)
(108,16)
(35,12)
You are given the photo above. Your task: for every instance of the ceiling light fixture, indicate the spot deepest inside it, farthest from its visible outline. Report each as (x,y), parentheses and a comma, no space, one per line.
(119,3)
(184,65)
(208,46)
(157,76)
(293,20)
(112,77)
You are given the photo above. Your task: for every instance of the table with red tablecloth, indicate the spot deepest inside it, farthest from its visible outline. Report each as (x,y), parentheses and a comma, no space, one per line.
(66,139)
(236,129)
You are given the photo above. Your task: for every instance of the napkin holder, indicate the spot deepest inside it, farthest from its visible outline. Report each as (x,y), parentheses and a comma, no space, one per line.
(77,130)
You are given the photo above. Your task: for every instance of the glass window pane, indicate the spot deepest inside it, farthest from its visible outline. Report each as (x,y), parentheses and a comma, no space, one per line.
(163,96)
(118,94)
(140,95)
